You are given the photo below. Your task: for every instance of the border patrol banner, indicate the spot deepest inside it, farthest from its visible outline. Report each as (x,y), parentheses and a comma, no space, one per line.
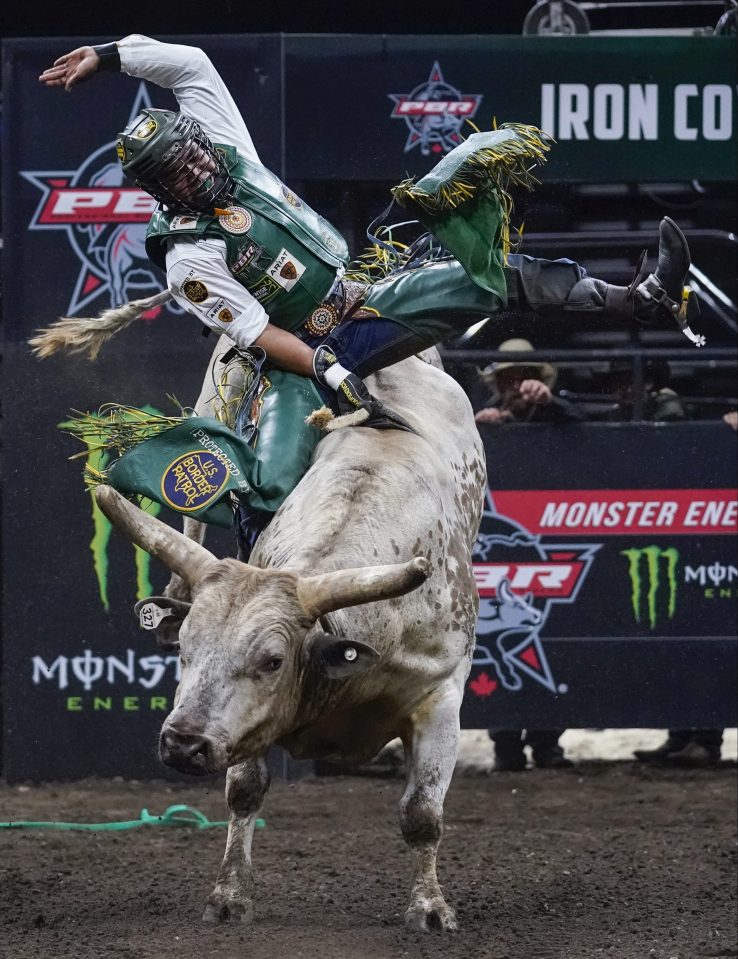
(84,689)
(607,595)
(646,108)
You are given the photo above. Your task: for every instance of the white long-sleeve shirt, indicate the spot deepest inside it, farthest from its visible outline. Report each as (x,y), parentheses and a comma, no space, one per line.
(201,94)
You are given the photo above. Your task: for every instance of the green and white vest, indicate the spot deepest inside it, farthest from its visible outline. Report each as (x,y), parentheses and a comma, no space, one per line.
(284,253)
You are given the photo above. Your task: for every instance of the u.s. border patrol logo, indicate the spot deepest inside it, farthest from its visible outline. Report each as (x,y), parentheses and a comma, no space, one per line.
(237,220)
(434,113)
(194,480)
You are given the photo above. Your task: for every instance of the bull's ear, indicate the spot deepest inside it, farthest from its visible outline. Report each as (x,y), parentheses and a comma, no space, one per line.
(338,658)
(164,616)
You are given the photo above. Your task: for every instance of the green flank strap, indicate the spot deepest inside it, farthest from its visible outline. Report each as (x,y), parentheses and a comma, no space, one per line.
(172,816)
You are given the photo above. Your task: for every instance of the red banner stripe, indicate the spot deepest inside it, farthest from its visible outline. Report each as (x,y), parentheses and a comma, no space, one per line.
(631,512)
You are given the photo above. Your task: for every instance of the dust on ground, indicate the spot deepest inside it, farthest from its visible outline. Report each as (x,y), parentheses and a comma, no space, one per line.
(605,860)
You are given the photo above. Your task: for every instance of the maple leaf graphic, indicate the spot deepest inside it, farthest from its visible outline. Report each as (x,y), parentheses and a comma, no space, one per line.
(483,685)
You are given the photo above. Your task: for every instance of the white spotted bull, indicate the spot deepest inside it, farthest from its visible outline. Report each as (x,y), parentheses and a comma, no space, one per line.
(352,624)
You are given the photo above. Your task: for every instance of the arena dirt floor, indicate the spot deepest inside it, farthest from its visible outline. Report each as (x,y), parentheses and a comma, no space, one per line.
(605,860)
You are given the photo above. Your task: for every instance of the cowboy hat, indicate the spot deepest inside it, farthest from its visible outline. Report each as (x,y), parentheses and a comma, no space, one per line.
(546,372)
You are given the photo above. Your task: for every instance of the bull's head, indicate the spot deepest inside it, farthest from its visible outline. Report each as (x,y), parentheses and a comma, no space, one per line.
(250,640)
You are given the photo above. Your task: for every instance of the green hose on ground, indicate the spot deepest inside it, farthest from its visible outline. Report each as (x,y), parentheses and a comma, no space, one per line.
(172,816)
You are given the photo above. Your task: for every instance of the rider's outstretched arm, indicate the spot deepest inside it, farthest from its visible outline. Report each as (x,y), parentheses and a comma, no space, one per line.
(186,71)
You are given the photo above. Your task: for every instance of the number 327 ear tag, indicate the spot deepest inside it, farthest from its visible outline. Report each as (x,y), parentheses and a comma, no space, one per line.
(150,615)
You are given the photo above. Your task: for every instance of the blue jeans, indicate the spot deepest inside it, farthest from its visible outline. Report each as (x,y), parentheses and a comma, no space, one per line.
(426,306)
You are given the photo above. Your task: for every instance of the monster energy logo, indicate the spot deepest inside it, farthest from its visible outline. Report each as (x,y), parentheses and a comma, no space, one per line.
(98,459)
(652,568)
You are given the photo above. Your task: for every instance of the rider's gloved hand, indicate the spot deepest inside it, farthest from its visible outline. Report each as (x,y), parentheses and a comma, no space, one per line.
(352,394)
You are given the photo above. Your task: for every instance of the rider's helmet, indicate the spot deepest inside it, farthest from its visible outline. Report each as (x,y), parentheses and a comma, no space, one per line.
(168,155)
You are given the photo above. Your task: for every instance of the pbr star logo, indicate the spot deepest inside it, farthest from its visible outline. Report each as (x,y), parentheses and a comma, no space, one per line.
(434,113)
(519,578)
(105,221)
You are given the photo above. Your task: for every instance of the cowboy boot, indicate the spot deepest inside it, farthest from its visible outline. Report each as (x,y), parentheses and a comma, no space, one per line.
(661,295)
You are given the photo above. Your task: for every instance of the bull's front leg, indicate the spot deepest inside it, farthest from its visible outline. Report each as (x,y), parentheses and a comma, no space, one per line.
(431,746)
(232,898)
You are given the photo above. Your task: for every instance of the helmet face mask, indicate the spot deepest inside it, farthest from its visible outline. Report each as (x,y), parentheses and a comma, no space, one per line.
(168,155)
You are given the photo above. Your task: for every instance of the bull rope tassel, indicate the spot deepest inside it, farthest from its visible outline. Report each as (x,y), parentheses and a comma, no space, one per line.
(87,334)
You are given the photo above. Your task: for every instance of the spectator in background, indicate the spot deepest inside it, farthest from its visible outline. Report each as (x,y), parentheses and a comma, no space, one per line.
(660,403)
(521,392)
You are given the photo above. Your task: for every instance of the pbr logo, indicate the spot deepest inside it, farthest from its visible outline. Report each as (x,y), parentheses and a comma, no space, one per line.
(519,578)
(434,113)
(105,221)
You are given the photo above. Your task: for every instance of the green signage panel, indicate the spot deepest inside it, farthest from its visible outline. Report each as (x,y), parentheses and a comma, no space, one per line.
(646,108)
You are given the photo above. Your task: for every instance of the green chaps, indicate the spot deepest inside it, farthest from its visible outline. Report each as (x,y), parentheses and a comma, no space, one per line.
(193,466)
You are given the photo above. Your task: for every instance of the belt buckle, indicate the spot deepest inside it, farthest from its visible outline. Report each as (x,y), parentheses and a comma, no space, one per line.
(322,320)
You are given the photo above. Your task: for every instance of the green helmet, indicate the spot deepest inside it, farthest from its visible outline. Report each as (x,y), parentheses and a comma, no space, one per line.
(168,155)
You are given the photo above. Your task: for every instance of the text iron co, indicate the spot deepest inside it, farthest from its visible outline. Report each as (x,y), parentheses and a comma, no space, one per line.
(636,111)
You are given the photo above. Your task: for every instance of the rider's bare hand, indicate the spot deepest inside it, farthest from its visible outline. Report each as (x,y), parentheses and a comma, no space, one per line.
(71,69)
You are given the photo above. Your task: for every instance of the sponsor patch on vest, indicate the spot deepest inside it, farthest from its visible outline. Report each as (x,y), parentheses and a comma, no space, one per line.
(214,310)
(246,256)
(291,197)
(195,290)
(237,220)
(264,290)
(193,480)
(285,270)
(120,150)
(225,315)
(184,222)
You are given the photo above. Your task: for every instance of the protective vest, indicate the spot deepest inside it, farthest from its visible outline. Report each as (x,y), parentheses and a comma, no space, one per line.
(284,253)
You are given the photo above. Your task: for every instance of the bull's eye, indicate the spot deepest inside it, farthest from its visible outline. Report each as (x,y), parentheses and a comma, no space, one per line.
(273,664)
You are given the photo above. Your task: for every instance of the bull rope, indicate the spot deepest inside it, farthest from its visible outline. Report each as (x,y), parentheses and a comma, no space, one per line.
(87,334)
(172,816)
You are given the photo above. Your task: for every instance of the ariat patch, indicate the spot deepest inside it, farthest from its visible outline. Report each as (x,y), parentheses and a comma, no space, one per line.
(237,220)
(193,480)
(220,303)
(225,315)
(264,290)
(195,290)
(286,270)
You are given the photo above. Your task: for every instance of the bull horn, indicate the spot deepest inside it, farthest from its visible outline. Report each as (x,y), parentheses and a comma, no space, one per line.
(175,550)
(325,592)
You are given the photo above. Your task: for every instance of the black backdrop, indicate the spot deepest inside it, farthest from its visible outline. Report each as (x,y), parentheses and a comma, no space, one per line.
(83,690)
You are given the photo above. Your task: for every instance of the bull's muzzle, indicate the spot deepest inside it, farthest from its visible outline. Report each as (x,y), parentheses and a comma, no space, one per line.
(187,751)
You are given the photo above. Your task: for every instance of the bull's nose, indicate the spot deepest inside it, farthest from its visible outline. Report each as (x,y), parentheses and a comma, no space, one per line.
(188,752)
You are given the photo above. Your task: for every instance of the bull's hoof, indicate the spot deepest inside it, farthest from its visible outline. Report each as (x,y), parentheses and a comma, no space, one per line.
(431,915)
(224,908)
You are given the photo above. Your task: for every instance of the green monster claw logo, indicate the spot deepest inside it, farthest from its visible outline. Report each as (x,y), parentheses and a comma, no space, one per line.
(657,562)
(98,459)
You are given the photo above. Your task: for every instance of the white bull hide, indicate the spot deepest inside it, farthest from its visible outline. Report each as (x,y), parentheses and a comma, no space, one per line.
(277,651)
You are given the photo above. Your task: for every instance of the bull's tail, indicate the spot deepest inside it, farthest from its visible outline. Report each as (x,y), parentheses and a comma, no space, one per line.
(87,334)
